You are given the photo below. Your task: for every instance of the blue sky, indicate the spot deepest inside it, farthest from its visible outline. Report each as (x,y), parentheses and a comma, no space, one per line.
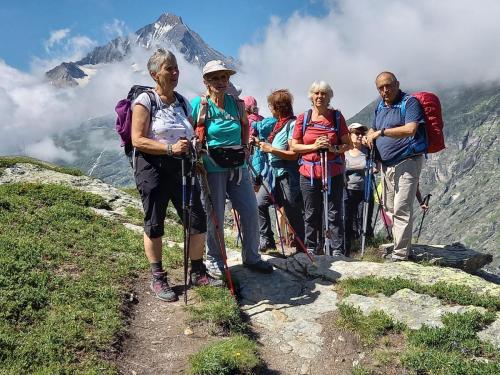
(27,24)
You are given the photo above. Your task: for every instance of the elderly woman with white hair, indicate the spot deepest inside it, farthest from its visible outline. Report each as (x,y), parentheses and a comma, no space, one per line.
(222,127)
(321,128)
(161,129)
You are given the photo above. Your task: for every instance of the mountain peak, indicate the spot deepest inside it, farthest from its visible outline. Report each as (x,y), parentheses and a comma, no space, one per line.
(169,19)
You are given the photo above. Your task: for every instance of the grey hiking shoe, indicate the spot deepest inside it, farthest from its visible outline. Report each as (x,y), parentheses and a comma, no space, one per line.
(202,278)
(161,289)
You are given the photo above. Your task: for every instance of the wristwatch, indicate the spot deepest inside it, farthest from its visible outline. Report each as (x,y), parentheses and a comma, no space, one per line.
(382,132)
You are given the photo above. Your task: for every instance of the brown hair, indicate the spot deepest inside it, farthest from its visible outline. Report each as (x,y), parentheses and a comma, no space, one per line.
(281,102)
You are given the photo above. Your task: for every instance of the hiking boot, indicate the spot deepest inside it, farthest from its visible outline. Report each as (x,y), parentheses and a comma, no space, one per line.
(202,278)
(261,266)
(161,289)
(263,247)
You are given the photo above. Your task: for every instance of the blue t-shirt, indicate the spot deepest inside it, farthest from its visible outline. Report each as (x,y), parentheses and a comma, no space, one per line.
(392,150)
(280,141)
(222,127)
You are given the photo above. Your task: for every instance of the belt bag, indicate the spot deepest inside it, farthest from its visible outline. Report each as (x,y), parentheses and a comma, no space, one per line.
(227,157)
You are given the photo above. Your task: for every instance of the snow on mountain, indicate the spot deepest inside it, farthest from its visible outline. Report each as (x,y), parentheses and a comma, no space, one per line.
(167,31)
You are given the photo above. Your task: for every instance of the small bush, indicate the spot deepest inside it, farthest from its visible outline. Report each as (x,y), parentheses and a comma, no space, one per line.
(237,354)
(218,308)
(368,327)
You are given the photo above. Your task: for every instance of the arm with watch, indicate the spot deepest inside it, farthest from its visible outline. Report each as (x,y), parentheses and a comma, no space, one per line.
(403,131)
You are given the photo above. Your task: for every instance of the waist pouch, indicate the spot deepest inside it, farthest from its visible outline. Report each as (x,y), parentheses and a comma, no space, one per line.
(227,157)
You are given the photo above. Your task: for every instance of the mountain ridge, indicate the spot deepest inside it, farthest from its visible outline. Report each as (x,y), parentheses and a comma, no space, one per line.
(168,31)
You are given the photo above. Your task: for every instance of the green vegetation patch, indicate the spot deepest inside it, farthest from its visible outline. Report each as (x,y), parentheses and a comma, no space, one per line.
(135,215)
(235,355)
(218,308)
(453,349)
(451,293)
(63,276)
(9,161)
(368,327)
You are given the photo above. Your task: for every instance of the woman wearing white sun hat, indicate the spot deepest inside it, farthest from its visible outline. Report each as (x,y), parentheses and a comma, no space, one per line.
(222,127)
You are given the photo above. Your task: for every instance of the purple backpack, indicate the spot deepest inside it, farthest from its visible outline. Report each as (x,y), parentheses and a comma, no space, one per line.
(124,115)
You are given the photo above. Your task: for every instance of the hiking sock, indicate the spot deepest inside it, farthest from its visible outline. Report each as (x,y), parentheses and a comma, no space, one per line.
(196,265)
(156,267)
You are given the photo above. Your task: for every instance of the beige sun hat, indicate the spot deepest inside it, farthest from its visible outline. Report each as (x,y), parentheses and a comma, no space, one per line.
(216,66)
(357,125)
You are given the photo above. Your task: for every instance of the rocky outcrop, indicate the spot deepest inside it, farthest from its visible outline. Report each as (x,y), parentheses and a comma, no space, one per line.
(455,255)
(286,307)
(117,199)
(340,268)
(410,308)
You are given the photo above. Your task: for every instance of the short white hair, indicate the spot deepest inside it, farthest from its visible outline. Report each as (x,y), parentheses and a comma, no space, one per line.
(320,86)
(159,57)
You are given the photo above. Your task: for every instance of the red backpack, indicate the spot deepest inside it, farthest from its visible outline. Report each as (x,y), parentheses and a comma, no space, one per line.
(433,120)
(433,141)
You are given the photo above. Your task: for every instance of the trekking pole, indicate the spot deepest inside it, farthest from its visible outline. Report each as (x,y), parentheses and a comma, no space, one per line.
(222,246)
(324,181)
(366,197)
(278,227)
(426,202)
(380,208)
(237,221)
(273,200)
(185,225)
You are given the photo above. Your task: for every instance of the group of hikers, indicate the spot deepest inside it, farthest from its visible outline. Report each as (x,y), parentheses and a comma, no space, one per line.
(311,167)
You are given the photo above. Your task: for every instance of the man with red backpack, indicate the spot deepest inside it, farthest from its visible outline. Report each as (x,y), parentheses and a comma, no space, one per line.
(399,135)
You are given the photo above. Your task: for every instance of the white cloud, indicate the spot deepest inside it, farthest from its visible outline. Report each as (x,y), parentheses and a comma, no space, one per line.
(61,46)
(56,37)
(47,150)
(426,43)
(115,29)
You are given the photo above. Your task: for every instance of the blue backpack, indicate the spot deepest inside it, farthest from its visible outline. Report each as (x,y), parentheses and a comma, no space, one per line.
(418,143)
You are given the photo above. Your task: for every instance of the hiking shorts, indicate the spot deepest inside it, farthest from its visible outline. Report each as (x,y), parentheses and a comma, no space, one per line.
(159,180)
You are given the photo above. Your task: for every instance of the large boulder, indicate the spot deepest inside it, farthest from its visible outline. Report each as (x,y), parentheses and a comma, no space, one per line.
(455,255)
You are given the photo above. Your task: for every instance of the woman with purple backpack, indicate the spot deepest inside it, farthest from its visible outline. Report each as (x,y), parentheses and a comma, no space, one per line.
(161,132)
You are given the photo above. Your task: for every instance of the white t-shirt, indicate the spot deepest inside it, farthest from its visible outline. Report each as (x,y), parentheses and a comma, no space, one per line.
(169,122)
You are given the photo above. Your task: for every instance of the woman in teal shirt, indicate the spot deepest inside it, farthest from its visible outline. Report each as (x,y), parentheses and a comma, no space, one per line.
(221,126)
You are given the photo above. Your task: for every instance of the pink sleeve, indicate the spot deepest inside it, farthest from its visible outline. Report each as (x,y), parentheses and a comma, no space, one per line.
(297,130)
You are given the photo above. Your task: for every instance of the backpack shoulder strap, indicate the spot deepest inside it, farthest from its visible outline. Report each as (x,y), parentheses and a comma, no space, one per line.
(181,100)
(240,105)
(336,115)
(203,111)
(307,118)
(154,103)
(403,105)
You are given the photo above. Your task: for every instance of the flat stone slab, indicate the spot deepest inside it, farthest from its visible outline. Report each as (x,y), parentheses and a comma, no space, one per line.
(455,255)
(286,307)
(491,334)
(406,306)
(340,268)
